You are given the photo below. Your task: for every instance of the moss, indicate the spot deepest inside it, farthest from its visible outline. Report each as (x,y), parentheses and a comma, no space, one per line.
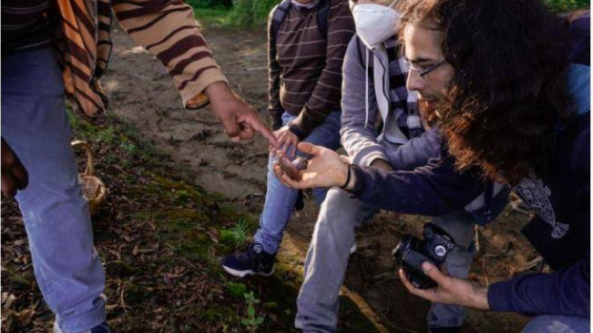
(190,221)
(217,312)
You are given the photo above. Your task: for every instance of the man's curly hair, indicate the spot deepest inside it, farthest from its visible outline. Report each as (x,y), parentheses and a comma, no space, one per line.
(508,96)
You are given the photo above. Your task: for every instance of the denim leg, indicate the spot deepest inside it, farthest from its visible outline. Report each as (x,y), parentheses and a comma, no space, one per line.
(278,207)
(327,261)
(327,135)
(280,200)
(67,268)
(460,225)
(558,324)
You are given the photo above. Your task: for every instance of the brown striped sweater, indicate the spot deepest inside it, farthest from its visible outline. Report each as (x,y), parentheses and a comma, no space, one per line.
(306,76)
(166,28)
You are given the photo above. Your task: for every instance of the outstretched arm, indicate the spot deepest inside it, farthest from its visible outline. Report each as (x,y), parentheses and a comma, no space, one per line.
(168,30)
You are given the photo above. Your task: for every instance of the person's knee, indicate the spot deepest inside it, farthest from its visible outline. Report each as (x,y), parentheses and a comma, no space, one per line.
(459,261)
(334,199)
(47,196)
(336,211)
(459,225)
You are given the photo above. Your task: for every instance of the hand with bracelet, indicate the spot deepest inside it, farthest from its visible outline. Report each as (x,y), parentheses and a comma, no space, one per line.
(328,169)
(325,169)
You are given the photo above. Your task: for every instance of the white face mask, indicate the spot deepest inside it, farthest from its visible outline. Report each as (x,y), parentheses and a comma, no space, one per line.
(374,23)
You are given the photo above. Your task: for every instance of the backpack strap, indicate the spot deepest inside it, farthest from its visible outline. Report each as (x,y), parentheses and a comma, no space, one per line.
(322,16)
(280,11)
(278,16)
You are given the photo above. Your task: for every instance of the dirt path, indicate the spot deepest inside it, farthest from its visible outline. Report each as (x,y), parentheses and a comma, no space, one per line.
(141,93)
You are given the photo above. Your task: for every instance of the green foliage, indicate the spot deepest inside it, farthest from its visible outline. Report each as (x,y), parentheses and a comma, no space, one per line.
(562,6)
(218,4)
(251,13)
(240,232)
(254,13)
(243,14)
(236,289)
(237,234)
(213,17)
(252,321)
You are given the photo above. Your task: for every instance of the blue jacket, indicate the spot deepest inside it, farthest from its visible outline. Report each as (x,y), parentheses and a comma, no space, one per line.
(560,199)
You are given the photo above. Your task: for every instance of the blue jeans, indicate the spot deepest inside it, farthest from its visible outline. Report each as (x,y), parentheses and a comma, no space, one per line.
(558,324)
(280,200)
(34,123)
(329,251)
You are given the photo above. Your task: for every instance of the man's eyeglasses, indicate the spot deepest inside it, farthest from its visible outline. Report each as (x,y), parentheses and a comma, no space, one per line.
(424,71)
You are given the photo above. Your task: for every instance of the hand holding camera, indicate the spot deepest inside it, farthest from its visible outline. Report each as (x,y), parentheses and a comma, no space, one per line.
(411,252)
(421,261)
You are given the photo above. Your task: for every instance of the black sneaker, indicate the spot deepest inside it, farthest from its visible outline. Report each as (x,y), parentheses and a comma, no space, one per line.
(254,261)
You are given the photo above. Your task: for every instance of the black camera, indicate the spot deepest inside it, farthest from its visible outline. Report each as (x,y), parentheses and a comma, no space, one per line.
(411,252)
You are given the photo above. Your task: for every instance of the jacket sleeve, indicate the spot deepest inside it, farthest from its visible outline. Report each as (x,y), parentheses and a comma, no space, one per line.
(358,131)
(567,290)
(325,98)
(168,30)
(417,151)
(434,189)
(564,292)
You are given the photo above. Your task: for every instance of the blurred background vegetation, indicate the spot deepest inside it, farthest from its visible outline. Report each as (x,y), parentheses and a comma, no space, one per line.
(233,13)
(254,13)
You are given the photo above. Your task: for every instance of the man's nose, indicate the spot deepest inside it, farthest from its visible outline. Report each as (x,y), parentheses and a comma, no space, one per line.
(414,82)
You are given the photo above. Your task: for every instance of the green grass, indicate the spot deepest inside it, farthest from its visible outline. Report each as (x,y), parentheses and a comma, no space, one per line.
(186,220)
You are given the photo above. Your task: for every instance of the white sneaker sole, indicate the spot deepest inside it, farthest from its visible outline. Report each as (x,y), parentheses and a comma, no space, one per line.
(243,274)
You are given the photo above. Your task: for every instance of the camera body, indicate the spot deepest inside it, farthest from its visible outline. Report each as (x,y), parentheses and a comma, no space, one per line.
(411,252)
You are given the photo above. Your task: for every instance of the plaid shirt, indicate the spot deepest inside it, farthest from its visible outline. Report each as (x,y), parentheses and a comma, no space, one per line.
(166,28)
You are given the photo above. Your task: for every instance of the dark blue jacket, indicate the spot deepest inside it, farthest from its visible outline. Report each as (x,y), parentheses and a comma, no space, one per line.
(560,199)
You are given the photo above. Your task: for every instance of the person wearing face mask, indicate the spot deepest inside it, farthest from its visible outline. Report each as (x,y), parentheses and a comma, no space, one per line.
(514,110)
(307,40)
(381,128)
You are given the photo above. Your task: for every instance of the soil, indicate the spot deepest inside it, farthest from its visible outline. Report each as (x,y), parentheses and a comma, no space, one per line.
(142,94)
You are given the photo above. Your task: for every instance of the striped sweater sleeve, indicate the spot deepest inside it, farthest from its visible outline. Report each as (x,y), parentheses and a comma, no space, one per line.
(327,93)
(168,30)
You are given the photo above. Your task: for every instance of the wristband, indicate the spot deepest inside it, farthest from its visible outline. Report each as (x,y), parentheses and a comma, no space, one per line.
(343,187)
